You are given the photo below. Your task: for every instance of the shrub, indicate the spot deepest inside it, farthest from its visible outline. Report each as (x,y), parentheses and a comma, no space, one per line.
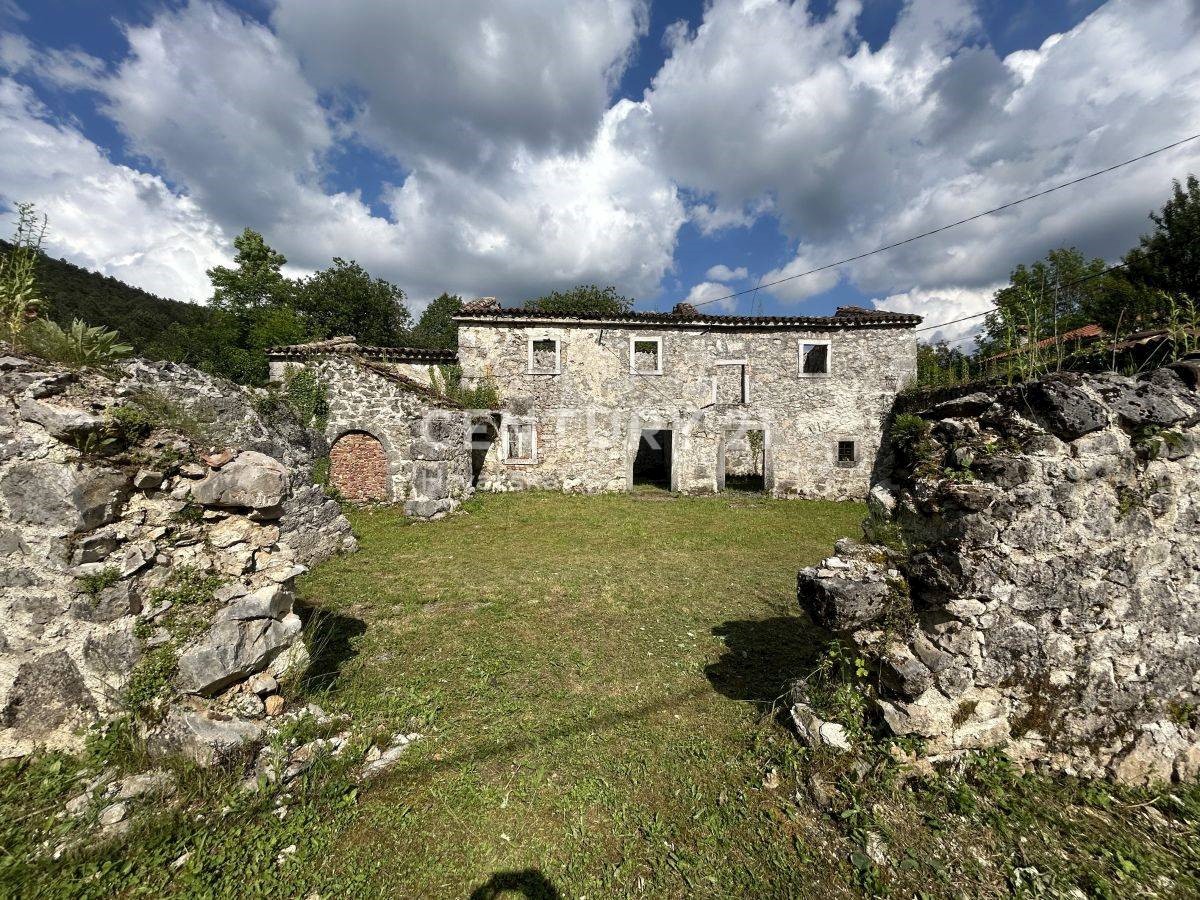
(909,432)
(93,584)
(186,586)
(447,380)
(81,346)
(19,300)
(307,396)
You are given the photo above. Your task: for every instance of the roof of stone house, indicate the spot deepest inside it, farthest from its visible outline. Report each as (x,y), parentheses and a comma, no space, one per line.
(487,309)
(1084,334)
(350,346)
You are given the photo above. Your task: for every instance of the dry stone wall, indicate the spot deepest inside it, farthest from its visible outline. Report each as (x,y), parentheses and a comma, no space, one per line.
(590,415)
(423,436)
(1034,580)
(151,528)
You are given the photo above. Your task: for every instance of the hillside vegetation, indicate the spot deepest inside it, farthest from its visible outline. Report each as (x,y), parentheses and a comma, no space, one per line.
(71,292)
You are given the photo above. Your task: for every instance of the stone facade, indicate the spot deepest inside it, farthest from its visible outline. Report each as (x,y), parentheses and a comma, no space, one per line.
(1040,587)
(174,536)
(423,437)
(715,378)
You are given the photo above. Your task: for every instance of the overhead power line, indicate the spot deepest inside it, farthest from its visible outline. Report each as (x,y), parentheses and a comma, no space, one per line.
(947,227)
(993,309)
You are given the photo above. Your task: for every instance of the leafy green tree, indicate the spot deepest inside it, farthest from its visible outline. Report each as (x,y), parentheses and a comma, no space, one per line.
(940,365)
(585,299)
(436,327)
(1049,298)
(1168,258)
(345,299)
(258,280)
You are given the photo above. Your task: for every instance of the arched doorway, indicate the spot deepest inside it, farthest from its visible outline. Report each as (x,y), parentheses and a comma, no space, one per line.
(358,468)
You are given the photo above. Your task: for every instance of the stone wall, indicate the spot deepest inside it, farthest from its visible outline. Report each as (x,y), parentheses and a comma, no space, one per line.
(1042,587)
(151,527)
(423,435)
(589,417)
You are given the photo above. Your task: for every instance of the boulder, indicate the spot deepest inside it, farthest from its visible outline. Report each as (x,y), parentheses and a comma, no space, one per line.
(273,601)
(1069,410)
(206,739)
(253,480)
(56,495)
(233,650)
(47,696)
(62,422)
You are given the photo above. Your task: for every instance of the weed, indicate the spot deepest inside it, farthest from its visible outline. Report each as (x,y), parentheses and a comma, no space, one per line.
(150,682)
(186,586)
(96,582)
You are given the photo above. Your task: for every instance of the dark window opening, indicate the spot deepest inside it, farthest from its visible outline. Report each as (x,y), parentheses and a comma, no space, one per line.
(816,359)
(652,464)
(845,453)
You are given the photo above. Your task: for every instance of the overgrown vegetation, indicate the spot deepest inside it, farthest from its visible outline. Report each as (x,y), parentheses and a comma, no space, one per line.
(80,346)
(447,380)
(20,301)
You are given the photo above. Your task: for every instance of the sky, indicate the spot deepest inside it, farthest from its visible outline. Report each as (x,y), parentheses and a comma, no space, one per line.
(678,150)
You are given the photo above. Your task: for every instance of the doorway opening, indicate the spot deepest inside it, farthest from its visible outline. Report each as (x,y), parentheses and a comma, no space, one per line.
(483,437)
(744,463)
(652,464)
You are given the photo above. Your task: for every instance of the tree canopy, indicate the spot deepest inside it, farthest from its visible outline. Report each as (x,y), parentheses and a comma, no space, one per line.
(436,328)
(1168,258)
(345,299)
(582,300)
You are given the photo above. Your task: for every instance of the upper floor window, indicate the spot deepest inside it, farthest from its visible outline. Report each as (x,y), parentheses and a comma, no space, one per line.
(731,382)
(814,358)
(545,356)
(645,356)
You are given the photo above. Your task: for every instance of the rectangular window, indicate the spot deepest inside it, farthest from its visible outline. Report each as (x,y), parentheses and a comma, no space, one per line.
(645,356)
(847,454)
(545,356)
(731,382)
(814,357)
(520,442)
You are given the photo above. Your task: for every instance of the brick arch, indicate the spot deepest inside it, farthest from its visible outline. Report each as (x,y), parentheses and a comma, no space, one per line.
(358,468)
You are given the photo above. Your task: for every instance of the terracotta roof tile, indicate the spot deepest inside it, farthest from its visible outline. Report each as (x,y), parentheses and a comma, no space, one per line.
(687,315)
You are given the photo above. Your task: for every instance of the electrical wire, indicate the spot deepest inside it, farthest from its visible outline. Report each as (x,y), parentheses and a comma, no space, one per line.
(947,227)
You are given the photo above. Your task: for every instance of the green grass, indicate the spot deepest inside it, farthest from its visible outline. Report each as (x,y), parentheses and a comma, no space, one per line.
(594,678)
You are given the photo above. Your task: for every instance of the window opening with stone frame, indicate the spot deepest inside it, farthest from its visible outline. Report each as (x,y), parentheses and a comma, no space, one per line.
(520,443)
(645,356)
(814,357)
(731,382)
(847,453)
(545,356)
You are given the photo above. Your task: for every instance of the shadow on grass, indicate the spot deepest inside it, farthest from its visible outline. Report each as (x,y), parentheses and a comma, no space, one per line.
(331,644)
(529,883)
(762,656)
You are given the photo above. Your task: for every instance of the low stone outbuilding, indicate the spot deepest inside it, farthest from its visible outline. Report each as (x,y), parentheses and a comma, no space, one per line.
(393,437)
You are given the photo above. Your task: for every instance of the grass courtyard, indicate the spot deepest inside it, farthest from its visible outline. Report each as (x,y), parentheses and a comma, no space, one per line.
(593,678)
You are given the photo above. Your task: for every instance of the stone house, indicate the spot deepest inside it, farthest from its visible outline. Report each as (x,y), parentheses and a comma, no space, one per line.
(793,405)
(790,405)
(393,438)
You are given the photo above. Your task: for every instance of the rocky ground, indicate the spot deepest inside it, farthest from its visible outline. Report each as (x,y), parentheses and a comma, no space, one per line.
(1032,580)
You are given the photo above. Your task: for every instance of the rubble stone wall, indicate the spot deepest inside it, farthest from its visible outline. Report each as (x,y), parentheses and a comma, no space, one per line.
(589,417)
(424,438)
(1036,578)
(151,528)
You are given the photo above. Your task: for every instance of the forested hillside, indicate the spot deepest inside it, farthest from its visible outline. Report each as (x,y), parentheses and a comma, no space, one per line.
(142,318)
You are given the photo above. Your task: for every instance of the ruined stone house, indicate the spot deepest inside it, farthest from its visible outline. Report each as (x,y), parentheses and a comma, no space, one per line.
(792,405)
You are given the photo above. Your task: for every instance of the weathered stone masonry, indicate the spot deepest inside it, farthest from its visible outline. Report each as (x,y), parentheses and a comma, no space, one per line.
(720,376)
(1043,592)
(392,437)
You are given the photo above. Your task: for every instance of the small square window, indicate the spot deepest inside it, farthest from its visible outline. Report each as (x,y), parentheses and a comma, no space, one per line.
(847,453)
(645,356)
(814,358)
(544,356)
(520,443)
